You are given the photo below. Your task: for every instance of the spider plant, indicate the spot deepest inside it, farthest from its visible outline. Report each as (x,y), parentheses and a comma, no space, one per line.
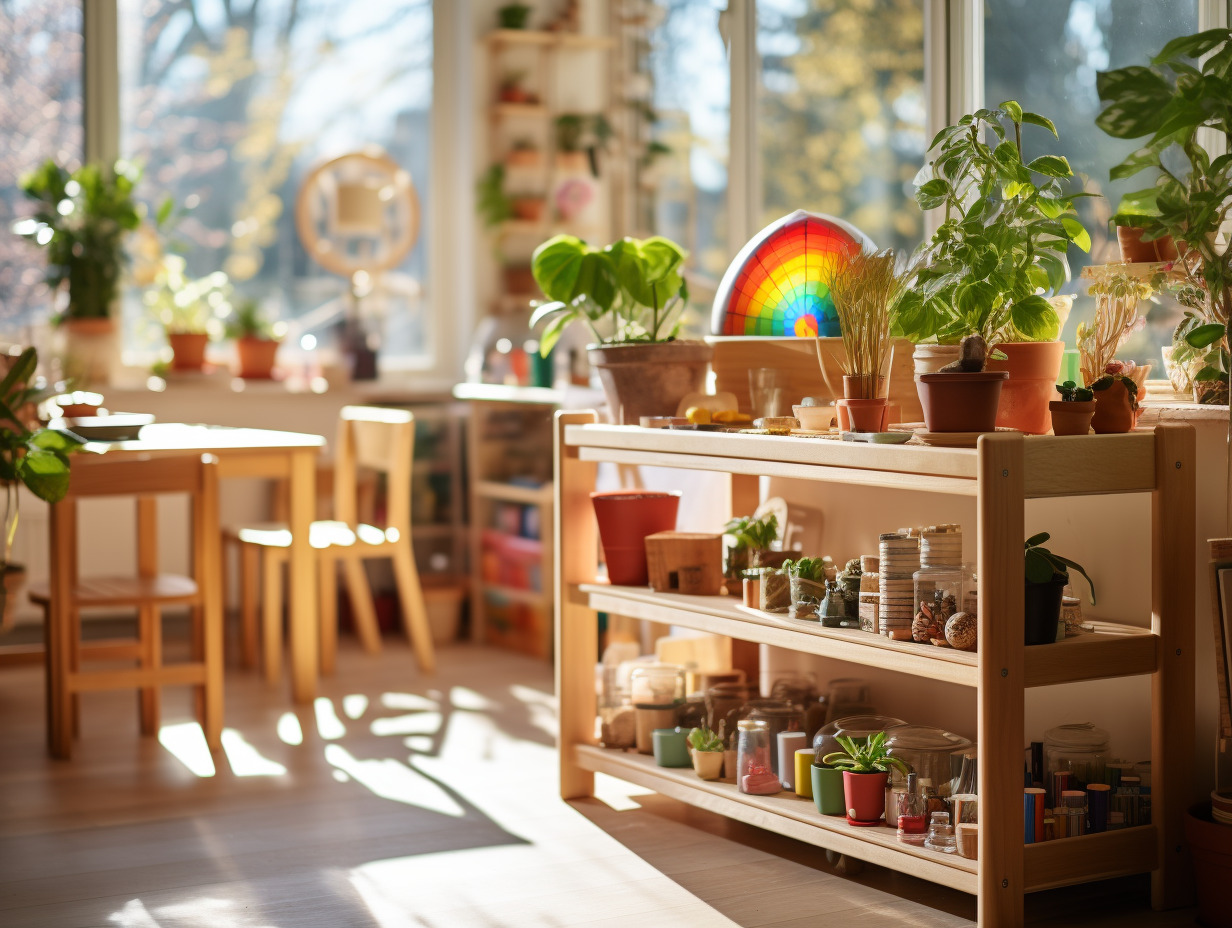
(871,757)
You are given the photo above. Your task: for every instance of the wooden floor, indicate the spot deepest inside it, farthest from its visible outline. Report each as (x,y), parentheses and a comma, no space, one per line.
(401,800)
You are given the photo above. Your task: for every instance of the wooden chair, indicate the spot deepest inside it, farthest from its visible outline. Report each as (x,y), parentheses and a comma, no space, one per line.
(66,594)
(368,437)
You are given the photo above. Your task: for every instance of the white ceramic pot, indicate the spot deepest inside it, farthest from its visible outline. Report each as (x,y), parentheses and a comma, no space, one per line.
(90,350)
(931,358)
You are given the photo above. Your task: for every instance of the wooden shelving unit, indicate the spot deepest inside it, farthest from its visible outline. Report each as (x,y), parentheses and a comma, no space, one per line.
(1002,473)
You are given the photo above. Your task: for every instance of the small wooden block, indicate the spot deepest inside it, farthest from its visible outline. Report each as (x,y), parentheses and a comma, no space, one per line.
(685,562)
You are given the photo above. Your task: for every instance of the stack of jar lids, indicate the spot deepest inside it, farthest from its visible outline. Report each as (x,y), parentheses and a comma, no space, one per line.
(941,549)
(899,560)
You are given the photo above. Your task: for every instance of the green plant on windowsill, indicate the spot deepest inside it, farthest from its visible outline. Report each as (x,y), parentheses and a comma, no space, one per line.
(808,568)
(1072,393)
(870,757)
(249,321)
(1001,246)
(183,305)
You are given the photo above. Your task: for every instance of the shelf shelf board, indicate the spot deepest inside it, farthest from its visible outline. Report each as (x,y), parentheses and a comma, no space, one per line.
(526,110)
(512,493)
(1111,651)
(541,38)
(1055,466)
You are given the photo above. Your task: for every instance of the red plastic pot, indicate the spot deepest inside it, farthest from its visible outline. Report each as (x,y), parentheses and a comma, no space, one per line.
(867,415)
(625,518)
(960,402)
(864,796)
(1033,368)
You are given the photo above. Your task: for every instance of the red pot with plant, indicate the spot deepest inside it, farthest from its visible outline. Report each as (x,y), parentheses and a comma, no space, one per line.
(1135,251)
(866,768)
(187,350)
(1071,414)
(625,518)
(1116,404)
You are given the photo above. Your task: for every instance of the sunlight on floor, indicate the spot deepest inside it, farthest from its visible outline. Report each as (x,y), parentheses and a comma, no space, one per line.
(408,702)
(200,913)
(618,794)
(418,723)
(541,706)
(354,705)
(289,730)
(329,726)
(463,697)
(186,742)
(246,760)
(391,779)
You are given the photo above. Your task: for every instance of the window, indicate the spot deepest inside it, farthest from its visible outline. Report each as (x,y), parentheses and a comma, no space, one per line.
(1045,54)
(40,118)
(229,105)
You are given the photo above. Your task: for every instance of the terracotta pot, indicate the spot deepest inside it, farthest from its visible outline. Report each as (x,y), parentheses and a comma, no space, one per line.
(1135,251)
(1033,368)
(708,764)
(625,518)
(1042,611)
(861,386)
(1210,845)
(14,580)
(523,158)
(528,209)
(843,416)
(649,378)
(897,386)
(90,349)
(1071,418)
(864,794)
(518,280)
(256,357)
(1114,411)
(931,358)
(188,350)
(867,415)
(572,162)
(960,402)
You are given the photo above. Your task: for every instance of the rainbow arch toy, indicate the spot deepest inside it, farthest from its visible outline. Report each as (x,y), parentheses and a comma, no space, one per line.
(776,285)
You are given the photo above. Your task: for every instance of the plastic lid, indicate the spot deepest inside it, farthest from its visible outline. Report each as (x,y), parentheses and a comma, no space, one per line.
(752,725)
(925,738)
(1077,735)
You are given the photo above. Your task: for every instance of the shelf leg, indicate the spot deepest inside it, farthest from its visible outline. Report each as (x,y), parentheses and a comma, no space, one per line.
(577,630)
(1173,533)
(1001,530)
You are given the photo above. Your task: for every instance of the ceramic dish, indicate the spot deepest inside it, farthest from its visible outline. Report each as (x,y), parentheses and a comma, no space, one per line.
(814,418)
(878,438)
(119,426)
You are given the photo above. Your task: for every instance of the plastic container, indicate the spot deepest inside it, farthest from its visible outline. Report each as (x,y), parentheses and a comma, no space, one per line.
(929,751)
(1079,748)
(754,766)
(656,691)
(722,701)
(940,591)
(779,718)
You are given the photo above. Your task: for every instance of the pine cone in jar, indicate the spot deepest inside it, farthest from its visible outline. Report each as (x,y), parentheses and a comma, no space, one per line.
(924,627)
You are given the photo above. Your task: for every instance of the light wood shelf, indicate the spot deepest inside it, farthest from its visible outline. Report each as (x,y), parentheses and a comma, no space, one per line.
(516,594)
(541,38)
(523,110)
(513,493)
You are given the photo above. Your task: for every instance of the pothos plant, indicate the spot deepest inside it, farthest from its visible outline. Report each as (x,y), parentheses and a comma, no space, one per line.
(1044,567)
(632,290)
(749,535)
(1001,246)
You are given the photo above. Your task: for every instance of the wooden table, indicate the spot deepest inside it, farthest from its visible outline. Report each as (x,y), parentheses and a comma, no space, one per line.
(257,453)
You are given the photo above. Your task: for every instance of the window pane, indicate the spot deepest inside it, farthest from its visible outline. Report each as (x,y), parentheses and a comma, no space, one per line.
(40,118)
(229,105)
(841,121)
(1069,41)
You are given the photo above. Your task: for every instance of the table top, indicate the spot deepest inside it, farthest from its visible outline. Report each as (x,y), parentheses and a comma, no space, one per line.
(180,436)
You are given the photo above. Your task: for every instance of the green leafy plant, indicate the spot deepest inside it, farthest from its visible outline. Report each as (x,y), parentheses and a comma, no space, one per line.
(249,321)
(1045,567)
(82,219)
(748,532)
(704,740)
(580,131)
(1072,393)
(808,568)
(866,288)
(870,757)
(513,15)
(1001,246)
(181,304)
(493,204)
(30,456)
(632,290)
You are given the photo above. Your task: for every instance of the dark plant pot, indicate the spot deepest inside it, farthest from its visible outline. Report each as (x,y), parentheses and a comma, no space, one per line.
(1071,418)
(1042,611)
(1134,250)
(960,402)
(1033,368)
(828,790)
(651,378)
(1210,846)
(1114,410)
(864,795)
(256,357)
(513,16)
(867,415)
(625,518)
(188,350)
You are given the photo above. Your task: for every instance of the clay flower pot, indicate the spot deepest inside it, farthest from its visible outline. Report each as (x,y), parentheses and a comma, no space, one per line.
(1114,409)
(1071,418)
(864,794)
(625,518)
(528,209)
(708,764)
(256,357)
(960,402)
(649,378)
(1134,250)
(188,350)
(867,415)
(1033,368)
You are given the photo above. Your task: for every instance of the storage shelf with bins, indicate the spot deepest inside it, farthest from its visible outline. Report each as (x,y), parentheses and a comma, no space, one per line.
(1002,473)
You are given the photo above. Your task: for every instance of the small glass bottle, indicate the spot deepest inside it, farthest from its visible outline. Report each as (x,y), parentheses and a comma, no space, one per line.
(754,769)
(941,834)
(911,821)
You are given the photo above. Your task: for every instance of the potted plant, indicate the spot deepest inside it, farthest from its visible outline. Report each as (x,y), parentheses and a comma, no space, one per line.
(512,90)
(866,769)
(630,296)
(865,289)
(962,396)
(1200,349)
(256,340)
(750,537)
(529,208)
(1071,414)
(1116,401)
(1117,295)
(994,259)
(30,456)
(579,139)
(1169,104)
(513,15)
(807,579)
(1046,577)
(707,752)
(189,310)
(524,154)
(491,201)
(82,219)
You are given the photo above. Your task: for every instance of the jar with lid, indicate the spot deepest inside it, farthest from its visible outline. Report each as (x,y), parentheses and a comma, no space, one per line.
(656,690)
(930,752)
(938,595)
(1079,749)
(778,717)
(722,701)
(754,770)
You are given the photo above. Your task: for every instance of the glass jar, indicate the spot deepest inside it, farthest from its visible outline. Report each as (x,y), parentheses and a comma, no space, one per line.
(938,593)
(722,700)
(754,765)
(779,718)
(798,687)
(928,751)
(856,727)
(1079,749)
(656,685)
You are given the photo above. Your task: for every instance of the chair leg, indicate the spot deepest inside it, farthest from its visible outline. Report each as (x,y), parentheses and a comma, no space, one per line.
(360,595)
(149,619)
(414,612)
(250,566)
(271,616)
(74,700)
(327,576)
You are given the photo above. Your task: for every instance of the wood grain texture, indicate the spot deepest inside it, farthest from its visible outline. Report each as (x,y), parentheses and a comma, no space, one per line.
(1073,860)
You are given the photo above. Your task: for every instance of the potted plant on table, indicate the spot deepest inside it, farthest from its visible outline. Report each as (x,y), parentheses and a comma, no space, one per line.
(256,340)
(1046,577)
(707,752)
(996,256)
(866,769)
(866,288)
(630,295)
(1182,93)
(1116,400)
(807,579)
(750,537)
(82,219)
(189,310)
(1071,414)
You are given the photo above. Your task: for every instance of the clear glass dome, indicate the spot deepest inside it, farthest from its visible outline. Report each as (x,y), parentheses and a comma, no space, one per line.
(858,727)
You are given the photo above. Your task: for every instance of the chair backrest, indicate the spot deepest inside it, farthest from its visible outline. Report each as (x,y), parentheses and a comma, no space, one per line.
(383,440)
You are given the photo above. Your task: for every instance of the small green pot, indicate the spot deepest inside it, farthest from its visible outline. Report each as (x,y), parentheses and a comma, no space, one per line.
(670,748)
(828,790)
